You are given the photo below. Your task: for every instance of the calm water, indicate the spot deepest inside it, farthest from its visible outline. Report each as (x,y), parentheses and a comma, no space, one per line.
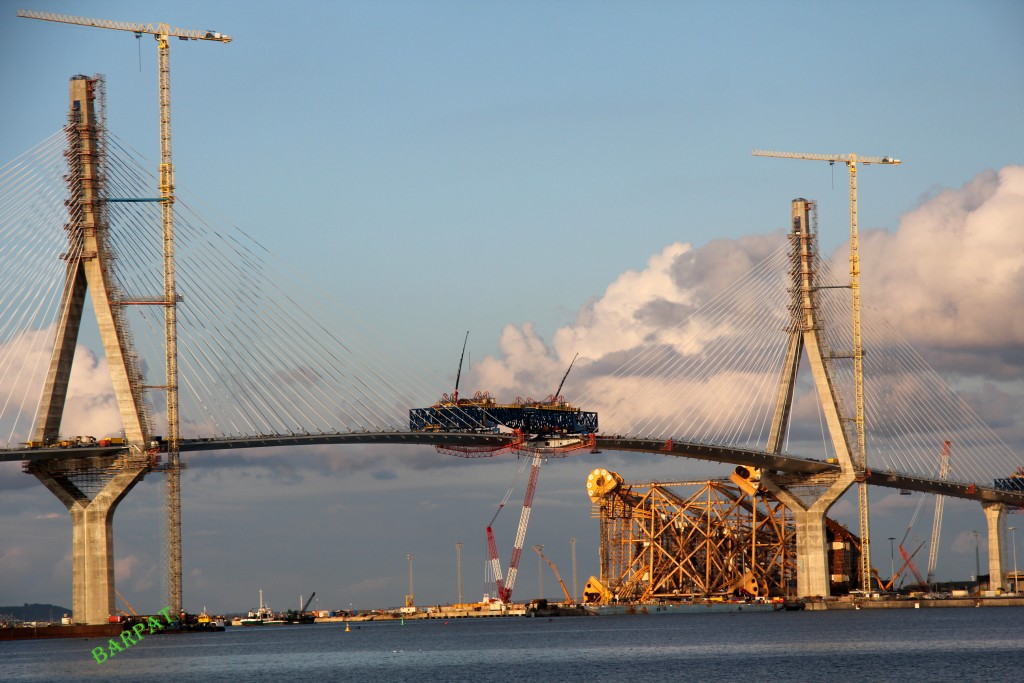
(866,645)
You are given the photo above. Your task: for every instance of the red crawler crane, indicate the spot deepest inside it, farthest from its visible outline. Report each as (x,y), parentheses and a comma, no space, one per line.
(908,560)
(505,588)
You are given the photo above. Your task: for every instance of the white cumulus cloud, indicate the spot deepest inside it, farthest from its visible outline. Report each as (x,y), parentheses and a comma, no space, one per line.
(950,278)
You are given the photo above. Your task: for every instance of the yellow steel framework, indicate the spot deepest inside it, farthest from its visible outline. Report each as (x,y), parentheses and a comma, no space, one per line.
(860,455)
(162,32)
(718,539)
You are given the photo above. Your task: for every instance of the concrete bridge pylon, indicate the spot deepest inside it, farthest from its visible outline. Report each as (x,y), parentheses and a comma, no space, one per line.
(809,497)
(91,487)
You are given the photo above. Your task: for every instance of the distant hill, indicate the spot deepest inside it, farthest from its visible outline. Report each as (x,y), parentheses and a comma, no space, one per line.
(33,612)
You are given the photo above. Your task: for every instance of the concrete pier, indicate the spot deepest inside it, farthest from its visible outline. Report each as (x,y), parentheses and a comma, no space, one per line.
(92,537)
(994,516)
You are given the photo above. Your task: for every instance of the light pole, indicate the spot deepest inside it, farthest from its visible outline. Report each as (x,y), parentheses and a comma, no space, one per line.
(892,570)
(1013,536)
(458,553)
(540,574)
(977,561)
(410,600)
(572,542)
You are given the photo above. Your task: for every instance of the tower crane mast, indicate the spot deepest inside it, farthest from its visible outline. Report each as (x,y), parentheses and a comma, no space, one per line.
(162,32)
(933,549)
(860,454)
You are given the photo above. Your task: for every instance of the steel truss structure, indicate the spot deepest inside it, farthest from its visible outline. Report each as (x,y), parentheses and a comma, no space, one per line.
(681,540)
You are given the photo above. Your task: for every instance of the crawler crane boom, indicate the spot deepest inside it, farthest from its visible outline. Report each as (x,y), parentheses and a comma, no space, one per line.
(565,591)
(505,589)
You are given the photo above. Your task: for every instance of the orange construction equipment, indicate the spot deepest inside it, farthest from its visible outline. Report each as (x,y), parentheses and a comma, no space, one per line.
(565,591)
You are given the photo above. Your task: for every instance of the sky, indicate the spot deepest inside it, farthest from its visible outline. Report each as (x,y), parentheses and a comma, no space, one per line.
(535,173)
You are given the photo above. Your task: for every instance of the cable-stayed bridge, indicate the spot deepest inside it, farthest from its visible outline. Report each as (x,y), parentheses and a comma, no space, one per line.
(754,378)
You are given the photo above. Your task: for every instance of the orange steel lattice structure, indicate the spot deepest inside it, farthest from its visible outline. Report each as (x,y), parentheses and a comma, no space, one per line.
(681,540)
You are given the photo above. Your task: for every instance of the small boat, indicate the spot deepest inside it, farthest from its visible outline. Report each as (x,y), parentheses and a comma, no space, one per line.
(261,616)
(205,621)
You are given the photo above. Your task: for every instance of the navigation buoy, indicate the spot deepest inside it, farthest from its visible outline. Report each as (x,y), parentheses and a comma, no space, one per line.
(347,629)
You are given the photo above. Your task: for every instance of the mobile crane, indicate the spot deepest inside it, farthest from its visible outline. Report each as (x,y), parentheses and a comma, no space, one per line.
(565,591)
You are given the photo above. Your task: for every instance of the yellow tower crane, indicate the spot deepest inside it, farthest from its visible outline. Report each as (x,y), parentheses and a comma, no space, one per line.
(860,462)
(162,33)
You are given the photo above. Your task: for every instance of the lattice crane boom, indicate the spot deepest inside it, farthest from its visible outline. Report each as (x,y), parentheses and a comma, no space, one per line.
(860,460)
(844,158)
(505,588)
(152,29)
(524,520)
(162,32)
(908,560)
(565,591)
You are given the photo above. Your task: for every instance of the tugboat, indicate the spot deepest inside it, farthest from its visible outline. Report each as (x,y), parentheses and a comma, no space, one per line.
(208,623)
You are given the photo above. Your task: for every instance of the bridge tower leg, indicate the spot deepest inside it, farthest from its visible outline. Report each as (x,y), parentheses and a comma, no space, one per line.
(91,487)
(808,497)
(995,514)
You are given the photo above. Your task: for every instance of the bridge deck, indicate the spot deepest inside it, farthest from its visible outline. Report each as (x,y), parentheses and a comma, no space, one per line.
(766,461)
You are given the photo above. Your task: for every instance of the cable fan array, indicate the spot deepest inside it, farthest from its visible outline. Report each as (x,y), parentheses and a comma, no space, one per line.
(253,358)
(910,410)
(262,351)
(712,377)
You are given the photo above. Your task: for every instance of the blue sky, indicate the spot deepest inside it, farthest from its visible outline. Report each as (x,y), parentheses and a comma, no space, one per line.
(453,166)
